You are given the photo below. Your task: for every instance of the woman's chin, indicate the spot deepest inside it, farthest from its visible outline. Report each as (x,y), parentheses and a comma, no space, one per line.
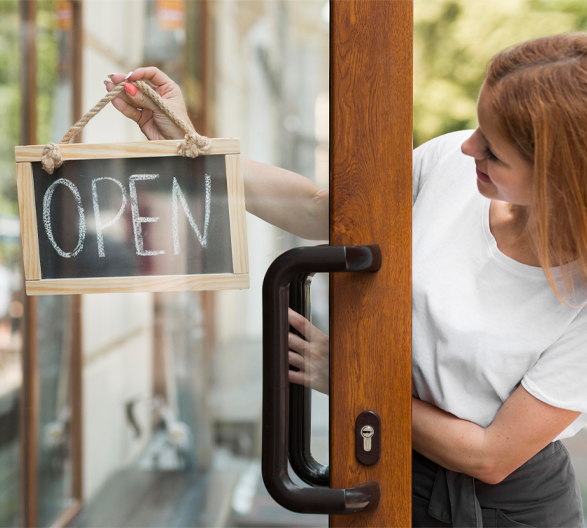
(486,189)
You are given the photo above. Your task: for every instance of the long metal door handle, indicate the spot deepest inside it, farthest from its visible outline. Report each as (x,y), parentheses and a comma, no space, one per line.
(284,269)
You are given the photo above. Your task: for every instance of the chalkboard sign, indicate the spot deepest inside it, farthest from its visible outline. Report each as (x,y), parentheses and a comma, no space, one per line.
(133,217)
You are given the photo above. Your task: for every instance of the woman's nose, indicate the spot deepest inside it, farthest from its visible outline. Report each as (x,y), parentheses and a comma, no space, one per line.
(474,146)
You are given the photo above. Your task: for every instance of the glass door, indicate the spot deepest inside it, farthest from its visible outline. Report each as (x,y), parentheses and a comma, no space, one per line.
(172,397)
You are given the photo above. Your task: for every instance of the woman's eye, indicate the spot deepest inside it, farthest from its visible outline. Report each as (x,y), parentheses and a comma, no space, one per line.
(490,155)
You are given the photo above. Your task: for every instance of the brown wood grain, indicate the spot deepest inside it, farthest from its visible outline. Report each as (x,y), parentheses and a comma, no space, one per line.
(370,193)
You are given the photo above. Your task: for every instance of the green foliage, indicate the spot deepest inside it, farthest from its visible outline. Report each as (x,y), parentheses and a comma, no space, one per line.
(9,103)
(454,41)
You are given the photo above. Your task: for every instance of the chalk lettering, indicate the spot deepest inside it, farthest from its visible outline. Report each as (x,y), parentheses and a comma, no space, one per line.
(177,192)
(80,210)
(137,220)
(99,226)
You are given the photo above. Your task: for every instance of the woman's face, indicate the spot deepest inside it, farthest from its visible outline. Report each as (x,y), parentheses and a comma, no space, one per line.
(502,173)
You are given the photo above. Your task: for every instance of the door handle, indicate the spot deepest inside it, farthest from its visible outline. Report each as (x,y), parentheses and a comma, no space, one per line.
(282,271)
(300,402)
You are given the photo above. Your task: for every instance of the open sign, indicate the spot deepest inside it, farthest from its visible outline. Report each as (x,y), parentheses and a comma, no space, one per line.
(133,217)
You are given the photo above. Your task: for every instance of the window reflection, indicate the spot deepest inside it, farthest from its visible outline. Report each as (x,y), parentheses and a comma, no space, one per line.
(171,398)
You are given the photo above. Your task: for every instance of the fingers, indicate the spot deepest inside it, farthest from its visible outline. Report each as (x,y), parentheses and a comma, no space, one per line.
(129,111)
(131,95)
(297,344)
(300,323)
(151,74)
(138,99)
(297,377)
(117,78)
(122,95)
(295,360)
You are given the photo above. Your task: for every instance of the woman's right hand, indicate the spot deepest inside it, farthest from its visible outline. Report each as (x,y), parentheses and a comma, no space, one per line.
(140,108)
(310,355)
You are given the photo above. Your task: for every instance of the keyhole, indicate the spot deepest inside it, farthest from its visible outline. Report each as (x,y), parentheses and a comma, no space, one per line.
(367,432)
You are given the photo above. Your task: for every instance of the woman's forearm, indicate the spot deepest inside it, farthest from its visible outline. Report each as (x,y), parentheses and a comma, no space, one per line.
(286,200)
(521,428)
(449,441)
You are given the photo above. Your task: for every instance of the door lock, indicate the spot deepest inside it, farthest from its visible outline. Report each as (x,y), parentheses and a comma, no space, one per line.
(368,438)
(367,432)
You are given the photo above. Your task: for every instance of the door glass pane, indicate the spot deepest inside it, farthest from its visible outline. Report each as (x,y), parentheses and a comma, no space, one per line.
(172,399)
(319,445)
(11,293)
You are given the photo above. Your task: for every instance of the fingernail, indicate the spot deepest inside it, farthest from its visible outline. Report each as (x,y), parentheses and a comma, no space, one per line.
(128,75)
(130,88)
(111,74)
(106,83)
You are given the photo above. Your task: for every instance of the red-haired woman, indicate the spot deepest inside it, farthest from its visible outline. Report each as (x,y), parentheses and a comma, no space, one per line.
(499,281)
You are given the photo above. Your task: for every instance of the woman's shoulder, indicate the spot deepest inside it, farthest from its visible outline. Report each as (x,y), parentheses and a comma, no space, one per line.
(441,154)
(443,145)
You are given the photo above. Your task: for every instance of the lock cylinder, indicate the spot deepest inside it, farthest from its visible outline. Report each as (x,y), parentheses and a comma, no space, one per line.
(368,438)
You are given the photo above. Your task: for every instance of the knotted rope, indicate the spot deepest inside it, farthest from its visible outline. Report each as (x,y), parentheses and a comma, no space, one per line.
(192,146)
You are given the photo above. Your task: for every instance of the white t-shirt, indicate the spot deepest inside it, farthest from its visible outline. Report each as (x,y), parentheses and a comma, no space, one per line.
(482,322)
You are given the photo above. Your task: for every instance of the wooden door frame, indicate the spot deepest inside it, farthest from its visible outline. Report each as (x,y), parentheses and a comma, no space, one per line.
(29,404)
(370,203)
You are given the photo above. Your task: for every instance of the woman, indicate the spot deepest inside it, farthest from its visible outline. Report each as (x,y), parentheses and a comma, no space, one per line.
(499,275)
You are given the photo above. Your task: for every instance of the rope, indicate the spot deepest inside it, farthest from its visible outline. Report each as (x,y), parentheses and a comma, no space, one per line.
(192,146)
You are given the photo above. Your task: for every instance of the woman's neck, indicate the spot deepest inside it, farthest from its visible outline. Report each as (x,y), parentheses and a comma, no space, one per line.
(510,226)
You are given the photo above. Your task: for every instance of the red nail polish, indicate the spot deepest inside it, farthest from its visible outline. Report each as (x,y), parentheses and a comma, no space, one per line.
(130,88)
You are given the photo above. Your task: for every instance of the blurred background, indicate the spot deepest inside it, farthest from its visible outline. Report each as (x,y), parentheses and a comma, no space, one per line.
(144,409)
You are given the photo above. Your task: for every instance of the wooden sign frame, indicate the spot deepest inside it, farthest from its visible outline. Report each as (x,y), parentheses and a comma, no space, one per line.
(36,285)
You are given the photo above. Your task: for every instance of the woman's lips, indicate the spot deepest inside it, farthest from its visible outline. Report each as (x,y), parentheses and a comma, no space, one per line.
(482,176)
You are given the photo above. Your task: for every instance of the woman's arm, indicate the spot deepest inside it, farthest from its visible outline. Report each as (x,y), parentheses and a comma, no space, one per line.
(286,200)
(278,196)
(522,427)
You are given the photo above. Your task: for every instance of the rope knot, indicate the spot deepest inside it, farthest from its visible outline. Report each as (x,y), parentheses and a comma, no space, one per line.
(51,158)
(193,145)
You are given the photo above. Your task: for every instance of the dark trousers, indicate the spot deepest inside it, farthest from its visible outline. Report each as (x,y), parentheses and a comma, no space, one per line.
(542,492)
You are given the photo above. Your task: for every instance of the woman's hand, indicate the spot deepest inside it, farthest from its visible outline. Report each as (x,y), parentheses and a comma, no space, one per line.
(312,356)
(137,106)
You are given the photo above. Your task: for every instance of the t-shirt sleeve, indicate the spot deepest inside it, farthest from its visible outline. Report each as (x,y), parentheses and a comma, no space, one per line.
(420,164)
(427,155)
(559,377)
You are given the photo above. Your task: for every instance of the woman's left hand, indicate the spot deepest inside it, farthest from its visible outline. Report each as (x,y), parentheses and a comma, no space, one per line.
(311,356)
(135,105)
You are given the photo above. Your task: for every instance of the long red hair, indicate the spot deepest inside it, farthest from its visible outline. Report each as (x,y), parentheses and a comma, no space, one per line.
(539,96)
